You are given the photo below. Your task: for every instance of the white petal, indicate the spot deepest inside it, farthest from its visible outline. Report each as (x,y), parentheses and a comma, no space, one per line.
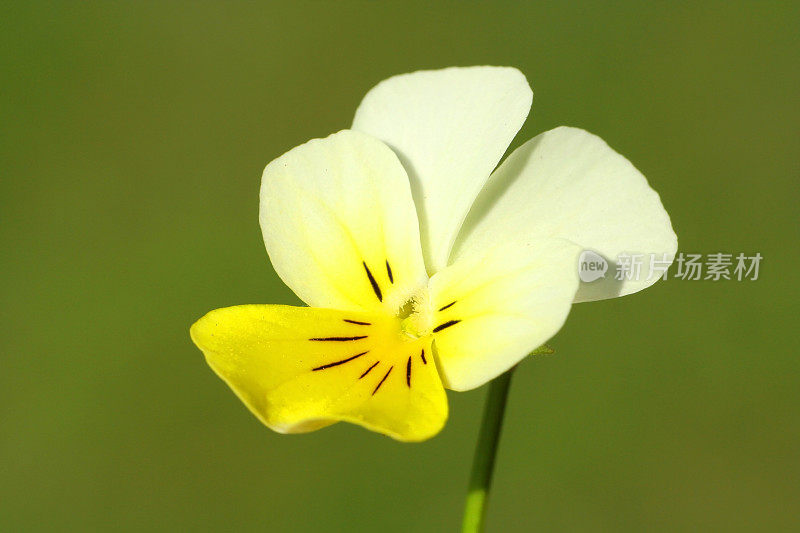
(336,211)
(450,128)
(568,183)
(496,307)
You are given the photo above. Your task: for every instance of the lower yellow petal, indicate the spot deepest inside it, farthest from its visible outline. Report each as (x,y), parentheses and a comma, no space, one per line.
(299,369)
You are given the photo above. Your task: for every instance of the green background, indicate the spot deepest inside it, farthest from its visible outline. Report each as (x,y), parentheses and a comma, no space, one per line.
(132,138)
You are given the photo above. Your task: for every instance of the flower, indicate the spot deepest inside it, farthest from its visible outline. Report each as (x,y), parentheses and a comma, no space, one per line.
(423,266)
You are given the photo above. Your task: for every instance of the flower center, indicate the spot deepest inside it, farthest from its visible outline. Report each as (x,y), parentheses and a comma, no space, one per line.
(416,315)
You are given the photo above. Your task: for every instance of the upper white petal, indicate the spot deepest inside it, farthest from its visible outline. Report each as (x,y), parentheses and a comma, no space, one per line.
(336,211)
(450,128)
(569,183)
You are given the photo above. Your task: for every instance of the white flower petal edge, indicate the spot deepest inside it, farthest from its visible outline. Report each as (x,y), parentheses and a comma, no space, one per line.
(569,183)
(450,128)
(499,305)
(339,224)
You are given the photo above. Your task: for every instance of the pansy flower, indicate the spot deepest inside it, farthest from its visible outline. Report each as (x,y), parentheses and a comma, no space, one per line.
(423,266)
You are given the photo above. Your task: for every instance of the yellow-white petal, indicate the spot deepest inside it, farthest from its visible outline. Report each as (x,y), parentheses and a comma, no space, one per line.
(450,128)
(568,183)
(496,306)
(299,369)
(339,224)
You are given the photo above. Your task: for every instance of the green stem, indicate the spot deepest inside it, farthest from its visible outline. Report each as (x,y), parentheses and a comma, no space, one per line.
(485,452)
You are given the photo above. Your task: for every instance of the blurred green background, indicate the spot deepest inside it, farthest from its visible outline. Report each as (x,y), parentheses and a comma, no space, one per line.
(132,139)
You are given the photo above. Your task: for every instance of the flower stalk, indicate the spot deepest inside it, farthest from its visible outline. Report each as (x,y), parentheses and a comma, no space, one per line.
(485,454)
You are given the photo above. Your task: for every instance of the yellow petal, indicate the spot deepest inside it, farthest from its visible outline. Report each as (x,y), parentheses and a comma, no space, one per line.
(299,369)
(496,306)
